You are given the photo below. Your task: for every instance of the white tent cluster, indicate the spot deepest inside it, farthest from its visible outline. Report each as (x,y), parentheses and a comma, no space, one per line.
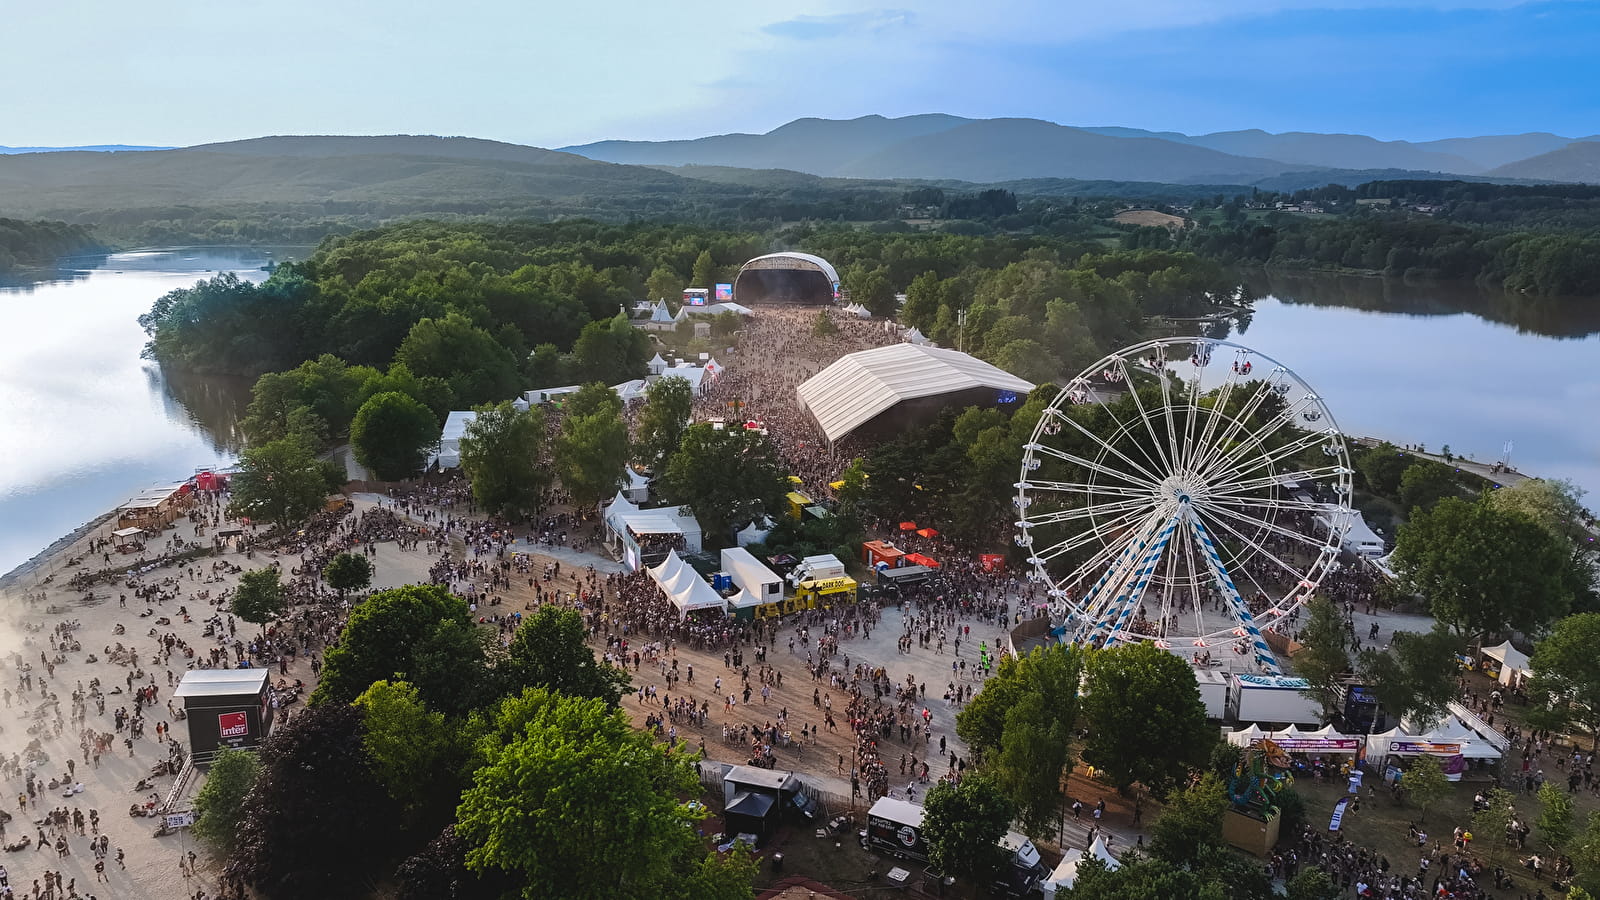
(1066,874)
(1513,662)
(857,310)
(915,336)
(1295,740)
(684,587)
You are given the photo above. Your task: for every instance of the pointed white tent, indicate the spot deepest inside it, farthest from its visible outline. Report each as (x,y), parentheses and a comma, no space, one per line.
(1066,874)
(661,313)
(915,336)
(657,364)
(1512,661)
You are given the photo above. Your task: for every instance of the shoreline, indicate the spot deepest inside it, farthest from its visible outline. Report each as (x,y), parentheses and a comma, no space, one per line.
(54,548)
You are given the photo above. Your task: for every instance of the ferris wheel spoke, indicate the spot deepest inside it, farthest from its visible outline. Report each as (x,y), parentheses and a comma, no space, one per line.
(1233,441)
(1259,550)
(1103,593)
(1195,448)
(1266,460)
(1266,481)
(1172,429)
(1087,536)
(1273,527)
(1139,472)
(1239,446)
(1079,487)
(1290,505)
(1164,463)
(1212,442)
(1089,512)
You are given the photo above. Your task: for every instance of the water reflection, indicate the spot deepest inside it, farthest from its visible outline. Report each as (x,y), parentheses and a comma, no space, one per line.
(1559,318)
(216,403)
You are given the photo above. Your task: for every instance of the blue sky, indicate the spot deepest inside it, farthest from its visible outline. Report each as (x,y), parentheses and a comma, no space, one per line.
(184,71)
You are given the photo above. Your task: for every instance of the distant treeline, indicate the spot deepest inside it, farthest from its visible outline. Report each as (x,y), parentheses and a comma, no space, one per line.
(25,245)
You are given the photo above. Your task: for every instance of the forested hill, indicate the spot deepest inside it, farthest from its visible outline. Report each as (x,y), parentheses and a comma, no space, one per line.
(26,245)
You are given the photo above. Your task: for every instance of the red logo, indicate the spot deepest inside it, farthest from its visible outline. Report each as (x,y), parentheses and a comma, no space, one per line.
(234,724)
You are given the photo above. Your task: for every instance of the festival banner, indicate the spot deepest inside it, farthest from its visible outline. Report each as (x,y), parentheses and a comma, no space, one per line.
(1428,747)
(1317,745)
(1338,814)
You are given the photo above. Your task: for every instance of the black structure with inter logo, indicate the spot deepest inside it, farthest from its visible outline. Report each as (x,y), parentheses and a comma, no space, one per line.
(225,709)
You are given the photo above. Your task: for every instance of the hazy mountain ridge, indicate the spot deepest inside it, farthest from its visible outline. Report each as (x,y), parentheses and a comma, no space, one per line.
(1577,161)
(930,146)
(90,148)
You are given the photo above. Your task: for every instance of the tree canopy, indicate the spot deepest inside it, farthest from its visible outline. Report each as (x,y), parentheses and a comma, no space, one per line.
(1146,721)
(1566,673)
(592,450)
(549,652)
(1416,675)
(501,454)
(420,634)
(348,572)
(963,823)
(280,482)
(1325,654)
(1482,569)
(729,477)
(667,412)
(577,760)
(219,804)
(390,434)
(259,597)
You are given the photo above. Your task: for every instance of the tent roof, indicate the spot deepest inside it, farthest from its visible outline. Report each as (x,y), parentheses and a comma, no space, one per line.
(1066,874)
(661,313)
(656,361)
(756,805)
(455,424)
(746,569)
(221,682)
(1507,655)
(861,385)
(127,532)
(771,779)
(915,336)
(819,262)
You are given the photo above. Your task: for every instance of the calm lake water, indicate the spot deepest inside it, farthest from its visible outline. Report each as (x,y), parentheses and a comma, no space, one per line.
(87,422)
(1440,365)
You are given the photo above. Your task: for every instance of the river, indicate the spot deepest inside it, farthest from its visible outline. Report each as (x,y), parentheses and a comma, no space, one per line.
(88,423)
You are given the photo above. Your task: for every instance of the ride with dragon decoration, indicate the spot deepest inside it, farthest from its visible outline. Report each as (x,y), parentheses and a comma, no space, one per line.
(1185,491)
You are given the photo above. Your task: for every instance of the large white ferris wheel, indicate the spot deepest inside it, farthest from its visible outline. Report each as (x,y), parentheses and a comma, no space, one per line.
(1185,491)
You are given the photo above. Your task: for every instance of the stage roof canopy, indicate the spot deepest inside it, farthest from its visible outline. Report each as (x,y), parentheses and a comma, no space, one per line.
(865,384)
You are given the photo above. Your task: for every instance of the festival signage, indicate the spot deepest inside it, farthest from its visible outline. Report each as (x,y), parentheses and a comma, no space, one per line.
(1338,814)
(1428,747)
(234,724)
(1315,744)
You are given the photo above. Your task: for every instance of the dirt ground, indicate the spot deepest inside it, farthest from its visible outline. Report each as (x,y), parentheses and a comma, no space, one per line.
(1147,217)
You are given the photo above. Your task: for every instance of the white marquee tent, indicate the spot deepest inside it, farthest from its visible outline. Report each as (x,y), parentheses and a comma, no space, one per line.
(861,385)
(1066,874)
(1513,662)
(448,456)
(684,587)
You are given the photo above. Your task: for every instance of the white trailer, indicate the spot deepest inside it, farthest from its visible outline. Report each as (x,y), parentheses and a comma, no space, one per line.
(1271,699)
(1213,692)
(817,568)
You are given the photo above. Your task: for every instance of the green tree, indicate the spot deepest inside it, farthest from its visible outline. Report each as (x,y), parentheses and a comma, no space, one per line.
(1555,817)
(1424,484)
(705,270)
(1585,853)
(478,368)
(663,283)
(315,400)
(1490,822)
(348,572)
(501,455)
(1026,358)
(592,450)
(1324,657)
(1482,570)
(1312,883)
(823,326)
(259,598)
(667,411)
(1566,674)
(390,433)
(729,477)
(549,652)
(279,482)
(432,392)
(408,746)
(546,367)
(421,634)
(1416,676)
(1425,783)
(1146,722)
(1190,822)
(219,804)
(1383,467)
(923,296)
(578,781)
(1557,507)
(314,810)
(611,350)
(1139,878)
(963,823)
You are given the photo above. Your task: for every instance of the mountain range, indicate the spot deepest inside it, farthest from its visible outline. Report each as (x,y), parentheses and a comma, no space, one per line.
(938,146)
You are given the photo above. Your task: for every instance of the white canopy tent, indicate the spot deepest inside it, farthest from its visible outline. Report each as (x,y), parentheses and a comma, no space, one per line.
(1066,874)
(1513,662)
(1295,740)
(754,533)
(915,336)
(656,365)
(684,587)
(448,456)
